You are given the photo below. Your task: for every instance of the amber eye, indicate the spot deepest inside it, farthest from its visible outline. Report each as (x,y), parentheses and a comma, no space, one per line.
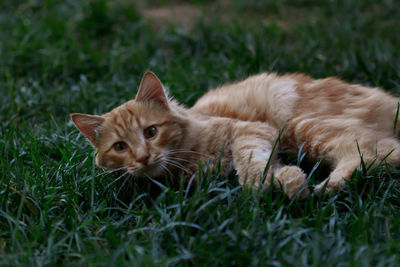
(150,132)
(120,146)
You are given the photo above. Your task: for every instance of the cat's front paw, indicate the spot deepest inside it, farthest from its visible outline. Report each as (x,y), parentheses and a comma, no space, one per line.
(293,180)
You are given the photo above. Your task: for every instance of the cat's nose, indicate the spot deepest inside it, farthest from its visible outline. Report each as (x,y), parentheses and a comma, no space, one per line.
(144,159)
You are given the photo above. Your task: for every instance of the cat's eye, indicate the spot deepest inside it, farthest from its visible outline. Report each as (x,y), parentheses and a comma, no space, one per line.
(120,146)
(150,132)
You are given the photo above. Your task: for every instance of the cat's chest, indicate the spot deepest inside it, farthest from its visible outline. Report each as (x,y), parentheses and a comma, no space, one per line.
(211,146)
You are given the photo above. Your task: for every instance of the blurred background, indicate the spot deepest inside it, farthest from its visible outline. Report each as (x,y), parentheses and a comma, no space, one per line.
(194,45)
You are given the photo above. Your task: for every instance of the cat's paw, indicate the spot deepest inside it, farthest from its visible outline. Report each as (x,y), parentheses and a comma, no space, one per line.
(327,186)
(293,179)
(322,188)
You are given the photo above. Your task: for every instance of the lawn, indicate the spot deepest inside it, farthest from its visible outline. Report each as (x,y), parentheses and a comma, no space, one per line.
(59,57)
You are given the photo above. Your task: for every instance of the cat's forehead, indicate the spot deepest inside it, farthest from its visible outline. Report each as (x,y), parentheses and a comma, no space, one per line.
(132,114)
(126,116)
(128,109)
(131,105)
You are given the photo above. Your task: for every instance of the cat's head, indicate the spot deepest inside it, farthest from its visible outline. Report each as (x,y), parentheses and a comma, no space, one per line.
(140,136)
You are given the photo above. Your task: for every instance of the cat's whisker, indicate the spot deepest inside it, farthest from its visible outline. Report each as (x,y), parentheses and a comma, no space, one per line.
(132,169)
(177,165)
(106,172)
(166,169)
(122,185)
(169,160)
(117,179)
(178,159)
(115,170)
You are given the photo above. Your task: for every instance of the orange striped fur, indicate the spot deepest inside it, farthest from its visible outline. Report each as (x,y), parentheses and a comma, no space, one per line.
(152,136)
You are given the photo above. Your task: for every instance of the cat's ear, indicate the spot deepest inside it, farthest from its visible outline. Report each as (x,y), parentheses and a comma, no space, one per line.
(87,124)
(151,90)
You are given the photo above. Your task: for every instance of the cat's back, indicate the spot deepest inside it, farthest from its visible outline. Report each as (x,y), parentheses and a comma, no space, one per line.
(282,99)
(262,97)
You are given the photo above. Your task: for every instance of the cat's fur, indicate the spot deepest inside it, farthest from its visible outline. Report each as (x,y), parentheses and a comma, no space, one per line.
(330,117)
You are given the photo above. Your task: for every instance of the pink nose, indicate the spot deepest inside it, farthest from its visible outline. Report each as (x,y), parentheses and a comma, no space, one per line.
(144,159)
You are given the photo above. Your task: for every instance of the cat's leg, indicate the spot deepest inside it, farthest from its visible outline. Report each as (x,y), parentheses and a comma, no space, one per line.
(388,149)
(372,152)
(341,173)
(252,149)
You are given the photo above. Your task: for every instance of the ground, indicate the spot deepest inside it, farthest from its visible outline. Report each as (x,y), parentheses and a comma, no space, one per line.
(58,57)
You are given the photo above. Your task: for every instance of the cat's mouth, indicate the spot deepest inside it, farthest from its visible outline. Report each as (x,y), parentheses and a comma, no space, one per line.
(152,170)
(156,167)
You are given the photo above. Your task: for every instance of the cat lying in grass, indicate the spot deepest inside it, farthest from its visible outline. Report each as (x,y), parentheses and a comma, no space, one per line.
(154,136)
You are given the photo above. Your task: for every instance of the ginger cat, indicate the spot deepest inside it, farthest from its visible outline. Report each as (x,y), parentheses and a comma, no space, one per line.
(153,136)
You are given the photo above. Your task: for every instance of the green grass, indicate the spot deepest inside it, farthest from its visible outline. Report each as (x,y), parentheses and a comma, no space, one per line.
(57,208)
